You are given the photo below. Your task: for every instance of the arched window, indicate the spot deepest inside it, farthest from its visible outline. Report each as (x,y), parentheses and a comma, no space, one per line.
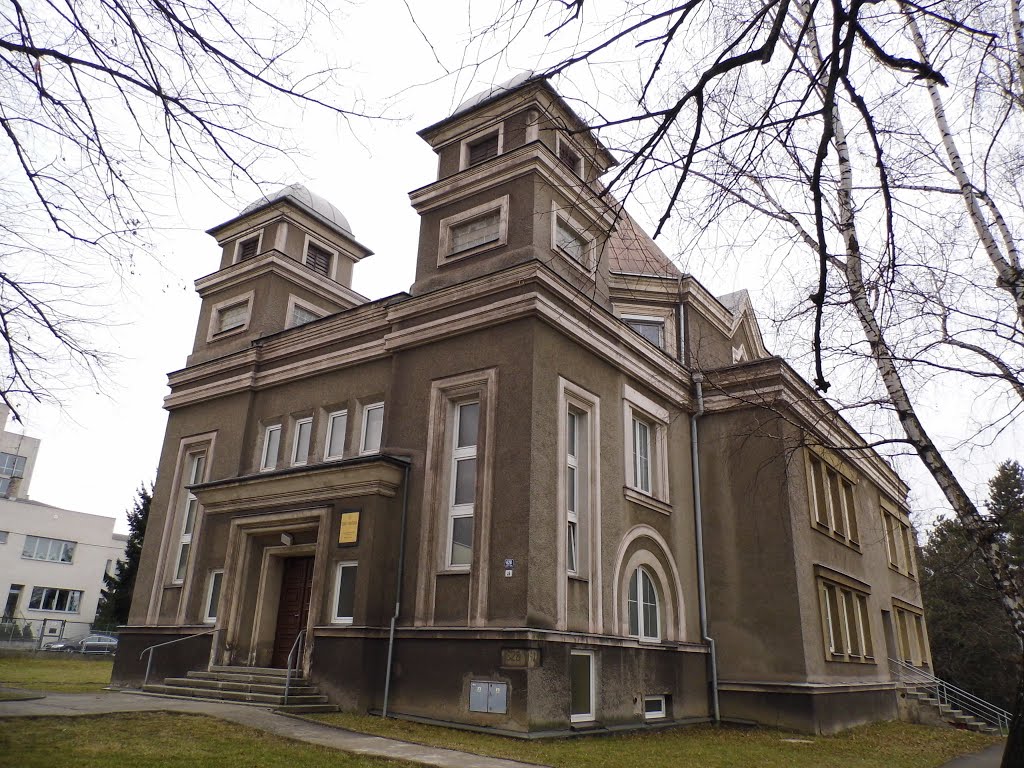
(644,617)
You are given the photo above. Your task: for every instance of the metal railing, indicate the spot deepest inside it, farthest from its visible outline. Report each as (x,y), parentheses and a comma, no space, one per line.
(150,649)
(296,646)
(951,696)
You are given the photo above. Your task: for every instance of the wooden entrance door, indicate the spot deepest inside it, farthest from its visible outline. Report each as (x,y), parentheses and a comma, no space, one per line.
(293,607)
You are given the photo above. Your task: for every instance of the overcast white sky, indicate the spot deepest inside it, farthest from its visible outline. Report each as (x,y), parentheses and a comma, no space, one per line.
(100,445)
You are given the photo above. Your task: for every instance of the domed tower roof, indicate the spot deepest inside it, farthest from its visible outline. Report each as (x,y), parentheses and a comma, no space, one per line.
(311,202)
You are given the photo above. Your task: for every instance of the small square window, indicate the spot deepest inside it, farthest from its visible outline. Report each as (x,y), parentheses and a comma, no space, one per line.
(271,446)
(654,708)
(373,427)
(247,248)
(570,242)
(569,157)
(476,232)
(481,150)
(232,317)
(318,259)
(300,446)
(651,329)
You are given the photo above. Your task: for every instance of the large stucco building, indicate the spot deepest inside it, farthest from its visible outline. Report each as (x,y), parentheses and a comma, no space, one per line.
(52,560)
(490,479)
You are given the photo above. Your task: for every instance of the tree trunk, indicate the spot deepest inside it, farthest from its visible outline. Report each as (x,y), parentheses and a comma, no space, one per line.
(1013,754)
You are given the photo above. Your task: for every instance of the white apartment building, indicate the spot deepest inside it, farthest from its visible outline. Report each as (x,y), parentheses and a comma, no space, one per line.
(52,560)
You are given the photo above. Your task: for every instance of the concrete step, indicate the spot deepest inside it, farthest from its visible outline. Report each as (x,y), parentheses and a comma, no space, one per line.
(245,687)
(273,671)
(245,677)
(208,693)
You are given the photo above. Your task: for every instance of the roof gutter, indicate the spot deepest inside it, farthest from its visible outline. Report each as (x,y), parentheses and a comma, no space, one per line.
(698,514)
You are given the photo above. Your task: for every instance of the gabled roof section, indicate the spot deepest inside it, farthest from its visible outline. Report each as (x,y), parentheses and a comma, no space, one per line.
(631,251)
(742,310)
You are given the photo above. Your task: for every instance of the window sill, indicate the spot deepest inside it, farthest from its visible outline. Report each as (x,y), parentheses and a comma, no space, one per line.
(838,538)
(450,571)
(229,332)
(51,562)
(904,574)
(841,660)
(451,258)
(577,577)
(646,500)
(52,610)
(342,622)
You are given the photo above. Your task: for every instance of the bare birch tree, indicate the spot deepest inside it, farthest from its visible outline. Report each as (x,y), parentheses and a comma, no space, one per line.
(881,144)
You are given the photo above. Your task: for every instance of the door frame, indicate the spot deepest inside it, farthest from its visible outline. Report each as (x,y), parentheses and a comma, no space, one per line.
(247,637)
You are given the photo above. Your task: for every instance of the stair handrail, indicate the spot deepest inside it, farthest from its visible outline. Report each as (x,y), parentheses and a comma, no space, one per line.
(950,695)
(150,649)
(291,654)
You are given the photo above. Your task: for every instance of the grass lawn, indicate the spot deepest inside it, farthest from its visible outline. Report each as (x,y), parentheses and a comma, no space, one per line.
(160,740)
(883,745)
(67,674)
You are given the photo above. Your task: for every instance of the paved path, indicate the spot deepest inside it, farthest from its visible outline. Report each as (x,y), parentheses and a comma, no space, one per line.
(69,704)
(987,758)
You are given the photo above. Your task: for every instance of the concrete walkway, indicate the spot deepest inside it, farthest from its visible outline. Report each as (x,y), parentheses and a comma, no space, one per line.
(106,702)
(987,758)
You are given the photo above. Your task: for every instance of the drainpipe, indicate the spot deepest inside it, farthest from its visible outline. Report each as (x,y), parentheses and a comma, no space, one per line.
(702,597)
(398,585)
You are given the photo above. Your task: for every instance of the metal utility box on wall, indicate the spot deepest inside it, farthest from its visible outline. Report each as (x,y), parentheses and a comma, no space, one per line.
(488,697)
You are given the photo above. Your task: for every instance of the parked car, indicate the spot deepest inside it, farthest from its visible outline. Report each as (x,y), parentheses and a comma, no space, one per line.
(98,644)
(65,646)
(88,644)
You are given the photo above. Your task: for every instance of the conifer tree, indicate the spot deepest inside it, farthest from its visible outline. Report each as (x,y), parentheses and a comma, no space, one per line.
(116,598)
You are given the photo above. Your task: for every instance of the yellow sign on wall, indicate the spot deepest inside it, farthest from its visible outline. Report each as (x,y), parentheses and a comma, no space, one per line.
(349,533)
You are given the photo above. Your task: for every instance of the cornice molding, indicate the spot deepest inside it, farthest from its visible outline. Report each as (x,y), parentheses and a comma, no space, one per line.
(276,263)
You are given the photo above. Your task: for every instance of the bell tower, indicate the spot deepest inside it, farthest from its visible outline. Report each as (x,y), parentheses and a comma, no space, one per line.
(517,181)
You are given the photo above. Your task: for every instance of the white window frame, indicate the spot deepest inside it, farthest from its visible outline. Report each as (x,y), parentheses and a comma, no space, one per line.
(297,460)
(849,531)
(363,450)
(653,320)
(78,601)
(559,141)
(208,603)
(584,230)
(899,539)
(332,268)
(331,417)
(258,236)
(739,354)
(659,714)
(636,406)
(643,631)
(590,716)
(840,641)
(461,511)
(265,452)
(214,331)
(294,302)
(475,138)
(444,255)
(195,463)
(572,532)
(339,568)
(61,547)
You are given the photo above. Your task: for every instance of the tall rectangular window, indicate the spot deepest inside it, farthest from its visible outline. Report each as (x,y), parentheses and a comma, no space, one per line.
(334,447)
(899,540)
(196,465)
(213,596)
(581,686)
(345,593)
(271,447)
(373,428)
(572,491)
(462,491)
(832,500)
(300,444)
(641,455)
(572,243)
(845,625)
(318,259)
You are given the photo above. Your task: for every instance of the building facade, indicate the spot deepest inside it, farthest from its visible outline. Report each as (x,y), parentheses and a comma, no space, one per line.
(52,560)
(557,484)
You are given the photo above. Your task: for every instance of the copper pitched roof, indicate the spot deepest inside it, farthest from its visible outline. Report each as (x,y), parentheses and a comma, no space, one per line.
(632,251)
